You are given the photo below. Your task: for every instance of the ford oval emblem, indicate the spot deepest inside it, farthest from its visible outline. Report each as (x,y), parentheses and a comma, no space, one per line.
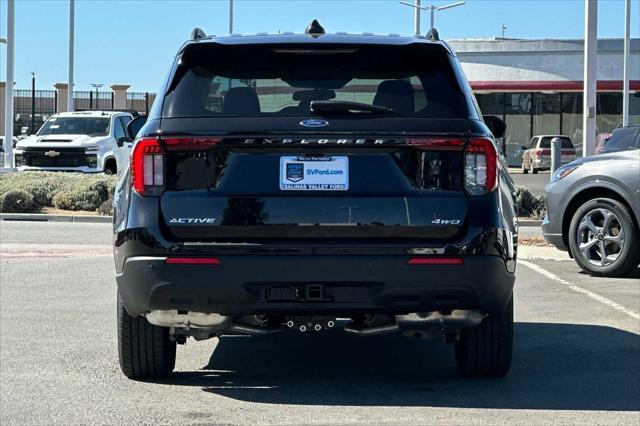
(312,122)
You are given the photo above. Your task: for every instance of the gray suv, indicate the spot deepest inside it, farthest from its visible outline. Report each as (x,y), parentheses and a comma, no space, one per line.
(593,209)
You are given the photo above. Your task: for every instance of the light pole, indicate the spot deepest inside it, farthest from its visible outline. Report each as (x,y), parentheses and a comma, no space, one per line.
(230,17)
(72,7)
(97,86)
(33,103)
(590,76)
(625,65)
(432,9)
(8,118)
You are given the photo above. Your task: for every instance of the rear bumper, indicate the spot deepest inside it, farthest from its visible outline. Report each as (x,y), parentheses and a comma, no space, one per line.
(350,285)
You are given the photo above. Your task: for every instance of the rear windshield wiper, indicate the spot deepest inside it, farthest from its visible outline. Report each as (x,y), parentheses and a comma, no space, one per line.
(334,106)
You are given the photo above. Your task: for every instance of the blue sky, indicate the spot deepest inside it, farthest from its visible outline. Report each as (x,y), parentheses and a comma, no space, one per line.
(133,41)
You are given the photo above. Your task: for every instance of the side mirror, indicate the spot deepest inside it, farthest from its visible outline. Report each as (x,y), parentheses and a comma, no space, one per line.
(497,126)
(523,147)
(135,125)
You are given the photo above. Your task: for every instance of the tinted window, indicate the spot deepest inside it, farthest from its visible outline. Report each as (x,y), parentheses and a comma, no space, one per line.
(92,126)
(271,80)
(546,142)
(118,131)
(621,140)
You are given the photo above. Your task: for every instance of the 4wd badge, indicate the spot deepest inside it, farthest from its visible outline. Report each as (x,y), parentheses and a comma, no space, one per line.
(295,172)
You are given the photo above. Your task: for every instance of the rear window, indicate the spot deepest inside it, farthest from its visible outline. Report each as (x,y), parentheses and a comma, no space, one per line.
(546,142)
(620,140)
(276,80)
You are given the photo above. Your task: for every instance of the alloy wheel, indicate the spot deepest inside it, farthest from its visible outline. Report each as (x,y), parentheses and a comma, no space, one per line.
(600,237)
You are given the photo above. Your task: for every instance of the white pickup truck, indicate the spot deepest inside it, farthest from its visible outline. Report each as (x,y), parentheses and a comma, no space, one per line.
(84,141)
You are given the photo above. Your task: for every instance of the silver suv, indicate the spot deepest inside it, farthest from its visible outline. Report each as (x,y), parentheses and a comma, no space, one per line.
(593,210)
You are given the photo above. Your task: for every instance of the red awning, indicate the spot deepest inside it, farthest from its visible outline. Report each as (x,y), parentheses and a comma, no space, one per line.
(558,86)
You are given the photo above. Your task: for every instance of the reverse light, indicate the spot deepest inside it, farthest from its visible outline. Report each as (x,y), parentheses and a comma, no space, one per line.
(480,167)
(435,261)
(147,167)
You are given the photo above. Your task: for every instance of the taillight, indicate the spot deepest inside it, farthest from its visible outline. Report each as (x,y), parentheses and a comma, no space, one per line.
(480,167)
(435,261)
(148,160)
(541,152)
(436,144)
(480,160)
(147,167)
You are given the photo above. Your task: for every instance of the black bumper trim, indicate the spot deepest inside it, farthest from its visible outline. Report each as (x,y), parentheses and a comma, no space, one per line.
(238,286)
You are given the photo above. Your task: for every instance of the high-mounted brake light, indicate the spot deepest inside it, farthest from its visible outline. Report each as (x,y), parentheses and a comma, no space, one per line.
(148,160)
(480,166)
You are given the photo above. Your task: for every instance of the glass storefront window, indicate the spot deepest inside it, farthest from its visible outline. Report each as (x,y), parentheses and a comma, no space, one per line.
(518,120)
(546,114)
(572,119)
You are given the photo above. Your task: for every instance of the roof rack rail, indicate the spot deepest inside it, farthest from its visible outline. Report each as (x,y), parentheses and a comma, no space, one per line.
(432,34)
(197,34)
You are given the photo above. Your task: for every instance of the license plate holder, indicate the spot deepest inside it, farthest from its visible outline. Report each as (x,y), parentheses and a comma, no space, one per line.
(314,173)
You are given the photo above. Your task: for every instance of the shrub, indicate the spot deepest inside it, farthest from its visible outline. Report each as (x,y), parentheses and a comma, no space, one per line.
(106,208)
(528,204)
(69,191)
(79,199)
(16,201)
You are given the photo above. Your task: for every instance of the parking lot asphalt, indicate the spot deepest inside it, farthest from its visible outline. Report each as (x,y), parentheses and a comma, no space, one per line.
(576,358)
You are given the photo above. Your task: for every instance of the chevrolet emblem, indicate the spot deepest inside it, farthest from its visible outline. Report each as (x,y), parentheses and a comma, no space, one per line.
(52,154)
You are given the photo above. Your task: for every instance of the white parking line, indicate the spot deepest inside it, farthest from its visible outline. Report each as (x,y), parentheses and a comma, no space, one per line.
(578,289)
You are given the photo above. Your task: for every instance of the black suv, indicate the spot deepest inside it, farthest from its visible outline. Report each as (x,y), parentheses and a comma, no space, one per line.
(312,181)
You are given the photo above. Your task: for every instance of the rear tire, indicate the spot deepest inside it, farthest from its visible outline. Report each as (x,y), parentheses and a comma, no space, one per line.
(534,171)
(145,350)
(524,168)
(486,349)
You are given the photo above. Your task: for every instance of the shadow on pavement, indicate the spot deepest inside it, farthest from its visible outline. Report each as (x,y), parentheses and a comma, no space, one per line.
(556,367)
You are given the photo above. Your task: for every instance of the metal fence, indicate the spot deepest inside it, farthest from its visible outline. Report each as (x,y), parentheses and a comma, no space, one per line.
(39,104)
(140,101)
(91,100)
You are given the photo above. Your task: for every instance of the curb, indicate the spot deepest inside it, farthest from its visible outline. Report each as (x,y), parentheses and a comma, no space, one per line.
(529,222)
(37,217)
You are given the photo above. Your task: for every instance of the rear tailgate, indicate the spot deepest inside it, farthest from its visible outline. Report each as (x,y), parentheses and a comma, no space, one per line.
(395,188)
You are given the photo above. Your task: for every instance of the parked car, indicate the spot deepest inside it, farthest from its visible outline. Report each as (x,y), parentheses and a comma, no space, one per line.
(537,156)
(593,208)
(289,180)
(621,139)
(86,141)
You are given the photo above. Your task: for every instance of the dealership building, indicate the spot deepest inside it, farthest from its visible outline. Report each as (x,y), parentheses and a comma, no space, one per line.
(535,86)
